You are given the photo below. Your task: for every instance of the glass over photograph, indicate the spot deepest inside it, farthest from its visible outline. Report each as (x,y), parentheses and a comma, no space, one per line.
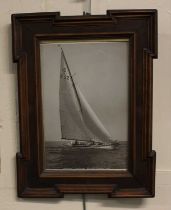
(85,100)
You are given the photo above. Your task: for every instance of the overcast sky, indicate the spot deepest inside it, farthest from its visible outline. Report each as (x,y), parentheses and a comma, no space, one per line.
(100,71)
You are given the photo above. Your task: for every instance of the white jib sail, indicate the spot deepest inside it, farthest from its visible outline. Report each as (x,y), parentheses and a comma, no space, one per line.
(78,120)
(92,122)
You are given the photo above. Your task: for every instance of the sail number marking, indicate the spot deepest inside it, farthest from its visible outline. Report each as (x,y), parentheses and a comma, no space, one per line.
(64,75)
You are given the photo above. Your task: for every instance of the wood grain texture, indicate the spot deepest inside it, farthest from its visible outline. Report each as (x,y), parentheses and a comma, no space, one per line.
(140,28)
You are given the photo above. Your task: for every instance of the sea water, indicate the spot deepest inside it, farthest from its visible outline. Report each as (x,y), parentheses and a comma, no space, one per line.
(63,156)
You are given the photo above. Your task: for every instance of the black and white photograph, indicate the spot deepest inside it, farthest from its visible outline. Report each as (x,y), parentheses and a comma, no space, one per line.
(85,104)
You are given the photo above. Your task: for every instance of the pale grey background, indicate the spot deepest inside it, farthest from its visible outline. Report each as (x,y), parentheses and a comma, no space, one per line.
(101,72)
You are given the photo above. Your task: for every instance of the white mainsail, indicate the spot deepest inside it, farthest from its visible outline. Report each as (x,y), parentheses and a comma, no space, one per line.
(78,120)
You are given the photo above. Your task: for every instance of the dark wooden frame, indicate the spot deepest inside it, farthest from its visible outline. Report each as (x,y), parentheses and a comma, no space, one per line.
(140,27)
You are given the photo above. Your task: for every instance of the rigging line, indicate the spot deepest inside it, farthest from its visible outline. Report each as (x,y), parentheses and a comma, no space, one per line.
(84,201)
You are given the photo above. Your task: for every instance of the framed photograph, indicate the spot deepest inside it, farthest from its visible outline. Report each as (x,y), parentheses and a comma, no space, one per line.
(85,101)
(84,88)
